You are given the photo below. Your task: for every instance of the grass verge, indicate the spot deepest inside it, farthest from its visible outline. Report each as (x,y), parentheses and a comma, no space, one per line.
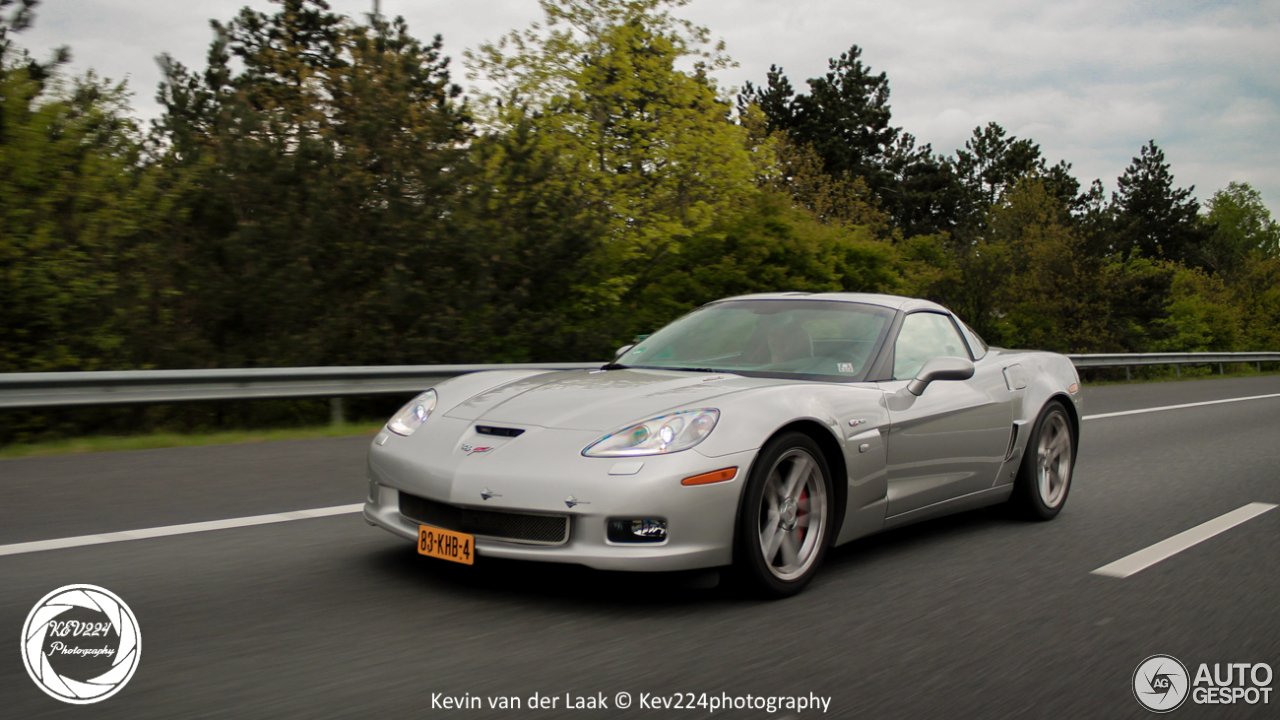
(168,440)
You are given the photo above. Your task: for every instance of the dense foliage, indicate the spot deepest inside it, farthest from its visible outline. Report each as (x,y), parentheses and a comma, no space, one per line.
(323,193)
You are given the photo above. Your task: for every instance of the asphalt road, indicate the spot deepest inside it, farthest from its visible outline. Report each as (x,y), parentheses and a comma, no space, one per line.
(969,616)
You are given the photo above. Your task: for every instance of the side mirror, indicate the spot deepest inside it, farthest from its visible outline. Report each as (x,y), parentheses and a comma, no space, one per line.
(622,351)
(941,368)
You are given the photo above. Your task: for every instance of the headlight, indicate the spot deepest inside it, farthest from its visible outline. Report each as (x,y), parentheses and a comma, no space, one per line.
(412,416)
(666,434)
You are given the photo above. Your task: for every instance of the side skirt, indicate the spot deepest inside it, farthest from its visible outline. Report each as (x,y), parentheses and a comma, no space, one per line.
(972,501)
(862,522)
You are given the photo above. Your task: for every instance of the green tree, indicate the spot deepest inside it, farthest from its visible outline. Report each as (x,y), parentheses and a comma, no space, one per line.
(1201,316)
(1020,284)
(1137,296)
(324,162)
(1241,225)
(15,17)
(1152,216)
(775,99)
(992,162)
(650,146)
(926,196)
(1255,289)
(773,245)
(533,230)
(1030,280)
(75,207)
(1244,252)
(797,171)
(845,117)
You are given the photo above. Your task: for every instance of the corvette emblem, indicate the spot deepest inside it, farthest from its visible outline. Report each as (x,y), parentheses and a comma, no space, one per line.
(571,501)
(471,449)
(487,493)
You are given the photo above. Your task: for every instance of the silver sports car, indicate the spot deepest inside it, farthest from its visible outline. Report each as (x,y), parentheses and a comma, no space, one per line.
(756,431)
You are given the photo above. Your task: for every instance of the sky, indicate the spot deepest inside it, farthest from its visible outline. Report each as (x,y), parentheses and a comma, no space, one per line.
(1090,80)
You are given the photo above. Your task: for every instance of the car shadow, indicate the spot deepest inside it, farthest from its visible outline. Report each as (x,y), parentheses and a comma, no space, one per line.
(914,537)
(496,577)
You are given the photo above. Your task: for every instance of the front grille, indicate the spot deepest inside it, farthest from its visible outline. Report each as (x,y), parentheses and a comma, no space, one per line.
(518,527)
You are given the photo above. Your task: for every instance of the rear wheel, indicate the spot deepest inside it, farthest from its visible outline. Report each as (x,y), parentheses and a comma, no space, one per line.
(1044,477)
(784,525)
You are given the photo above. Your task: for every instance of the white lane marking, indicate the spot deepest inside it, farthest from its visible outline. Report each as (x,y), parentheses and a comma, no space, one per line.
(1178,407)
(1165,549)
(83,540)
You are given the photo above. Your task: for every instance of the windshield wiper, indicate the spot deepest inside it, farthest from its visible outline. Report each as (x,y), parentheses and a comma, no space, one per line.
(617,366)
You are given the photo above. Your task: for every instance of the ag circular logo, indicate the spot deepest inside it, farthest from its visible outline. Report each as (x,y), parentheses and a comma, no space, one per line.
(1161,683)
(81,644)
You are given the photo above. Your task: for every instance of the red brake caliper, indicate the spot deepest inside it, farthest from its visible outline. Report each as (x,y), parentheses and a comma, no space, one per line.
(804,500)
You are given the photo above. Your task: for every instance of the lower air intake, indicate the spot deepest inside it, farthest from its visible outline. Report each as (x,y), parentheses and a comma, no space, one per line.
(514,527)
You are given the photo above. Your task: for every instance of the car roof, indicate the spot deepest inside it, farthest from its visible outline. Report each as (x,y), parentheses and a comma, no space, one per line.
(894,302)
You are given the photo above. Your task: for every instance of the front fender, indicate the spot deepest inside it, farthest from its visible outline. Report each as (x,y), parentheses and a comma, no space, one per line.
(856,417)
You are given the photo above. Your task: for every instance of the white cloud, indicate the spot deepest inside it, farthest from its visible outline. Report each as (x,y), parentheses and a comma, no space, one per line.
(1090,80)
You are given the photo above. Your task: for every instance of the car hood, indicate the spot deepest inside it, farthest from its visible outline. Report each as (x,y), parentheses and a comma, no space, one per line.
(599,400)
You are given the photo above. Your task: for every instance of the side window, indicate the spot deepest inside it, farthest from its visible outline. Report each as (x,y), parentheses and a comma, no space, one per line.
(924,336)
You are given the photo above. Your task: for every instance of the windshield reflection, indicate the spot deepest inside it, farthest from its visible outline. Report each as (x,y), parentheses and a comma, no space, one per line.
(818,339)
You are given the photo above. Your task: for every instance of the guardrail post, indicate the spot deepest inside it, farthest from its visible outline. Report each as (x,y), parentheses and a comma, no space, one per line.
(1220,370)
(335,412)
(1126,373)
(1259,366)
(1178,369)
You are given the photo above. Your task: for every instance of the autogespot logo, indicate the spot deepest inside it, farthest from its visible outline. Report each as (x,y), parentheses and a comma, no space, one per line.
(81,644)
(1160,683)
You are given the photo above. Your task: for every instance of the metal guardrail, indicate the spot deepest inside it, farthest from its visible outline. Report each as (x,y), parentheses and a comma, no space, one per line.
(62,389)
(1177,360)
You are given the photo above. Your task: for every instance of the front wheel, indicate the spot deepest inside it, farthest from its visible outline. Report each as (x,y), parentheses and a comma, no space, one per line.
(1044,477)
(784,524)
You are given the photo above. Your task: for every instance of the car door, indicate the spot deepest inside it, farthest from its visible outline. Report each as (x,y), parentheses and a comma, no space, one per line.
(952,439)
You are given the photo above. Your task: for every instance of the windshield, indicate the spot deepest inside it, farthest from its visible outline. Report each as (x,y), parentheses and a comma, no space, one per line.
(806,339)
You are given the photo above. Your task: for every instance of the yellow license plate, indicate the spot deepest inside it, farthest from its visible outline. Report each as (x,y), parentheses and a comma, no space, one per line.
(446,545)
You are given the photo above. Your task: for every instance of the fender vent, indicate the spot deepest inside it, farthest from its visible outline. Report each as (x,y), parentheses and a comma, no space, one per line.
(1013,442)
(498,431)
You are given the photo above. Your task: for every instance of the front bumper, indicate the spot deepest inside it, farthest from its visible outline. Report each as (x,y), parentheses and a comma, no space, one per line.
(543,470)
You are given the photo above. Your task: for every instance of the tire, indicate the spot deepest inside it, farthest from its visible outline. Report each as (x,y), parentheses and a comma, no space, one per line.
(785,523)
(1044,477)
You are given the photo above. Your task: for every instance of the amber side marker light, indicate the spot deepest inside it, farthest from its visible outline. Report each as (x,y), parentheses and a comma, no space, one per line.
(711,477)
